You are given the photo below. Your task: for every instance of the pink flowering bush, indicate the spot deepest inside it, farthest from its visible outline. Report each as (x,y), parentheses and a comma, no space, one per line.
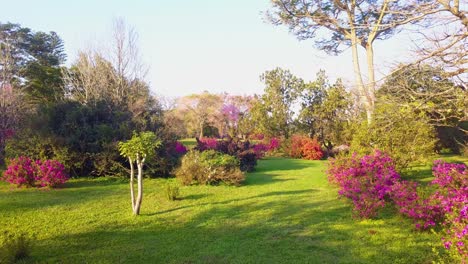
(366,180)
(371,181)
(207,143)
(23,171)
(20,172)
(50,173)
(452,193)
(274,144)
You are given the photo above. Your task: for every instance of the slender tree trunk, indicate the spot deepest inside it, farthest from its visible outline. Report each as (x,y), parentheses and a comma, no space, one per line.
(363,94)
(139,199)
(371,72)
(201,130)
(132,177)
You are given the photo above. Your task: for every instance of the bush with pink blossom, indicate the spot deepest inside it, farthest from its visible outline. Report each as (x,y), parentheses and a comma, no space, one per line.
(23,171)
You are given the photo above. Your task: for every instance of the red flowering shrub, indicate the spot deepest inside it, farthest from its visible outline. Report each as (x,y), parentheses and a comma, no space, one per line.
(304,147)
(23,171)
(20,172)
(311,150)
(294,149)
(50,173)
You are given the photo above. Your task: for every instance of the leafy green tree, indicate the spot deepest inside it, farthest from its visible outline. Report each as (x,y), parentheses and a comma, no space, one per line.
(337,25)
(274,111)
(428,90)
(137,149)
(404,134)
(325,110)
(31,61)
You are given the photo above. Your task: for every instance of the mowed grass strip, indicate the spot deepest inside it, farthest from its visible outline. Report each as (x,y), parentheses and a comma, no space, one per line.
(286,212)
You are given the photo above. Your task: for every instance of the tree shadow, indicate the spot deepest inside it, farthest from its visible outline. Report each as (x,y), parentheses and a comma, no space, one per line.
(247,233)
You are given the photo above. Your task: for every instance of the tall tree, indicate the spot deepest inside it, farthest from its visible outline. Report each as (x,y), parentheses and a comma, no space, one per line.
(325,110)
(200,110)
(274,110)
(338,24)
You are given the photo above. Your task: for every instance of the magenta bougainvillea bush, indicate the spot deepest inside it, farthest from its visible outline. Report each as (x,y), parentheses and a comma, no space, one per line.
(23,171)
(366,180)
(50,173)
(20,172)
(371,181)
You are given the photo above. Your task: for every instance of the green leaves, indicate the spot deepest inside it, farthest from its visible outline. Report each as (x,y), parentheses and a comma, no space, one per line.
(140,145)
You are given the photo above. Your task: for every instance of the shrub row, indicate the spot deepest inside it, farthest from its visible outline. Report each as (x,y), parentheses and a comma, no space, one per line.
(209,167)
(23,171)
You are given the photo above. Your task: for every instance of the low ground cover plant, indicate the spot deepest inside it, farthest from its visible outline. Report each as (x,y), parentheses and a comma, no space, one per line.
(23,171)
(209,167)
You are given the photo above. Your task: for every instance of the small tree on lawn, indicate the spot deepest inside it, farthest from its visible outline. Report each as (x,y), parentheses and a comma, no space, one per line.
(137,149)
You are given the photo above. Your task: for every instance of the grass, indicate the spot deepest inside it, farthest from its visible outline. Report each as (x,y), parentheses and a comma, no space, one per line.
(189,142)
(285,213)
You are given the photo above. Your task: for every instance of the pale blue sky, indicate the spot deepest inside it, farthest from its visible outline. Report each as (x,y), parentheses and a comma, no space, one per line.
(195,45)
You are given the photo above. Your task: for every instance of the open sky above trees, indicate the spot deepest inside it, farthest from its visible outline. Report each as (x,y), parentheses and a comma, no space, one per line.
(193,46)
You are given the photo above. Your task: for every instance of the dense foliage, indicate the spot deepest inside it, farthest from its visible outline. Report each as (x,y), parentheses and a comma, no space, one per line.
(405,135)
(209,167)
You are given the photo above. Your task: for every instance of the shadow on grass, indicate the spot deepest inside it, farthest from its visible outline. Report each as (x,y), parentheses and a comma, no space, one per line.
(74,192)
(264,195)
(258,232)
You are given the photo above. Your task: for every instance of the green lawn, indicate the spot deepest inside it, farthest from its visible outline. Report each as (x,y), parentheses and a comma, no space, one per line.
(285,213)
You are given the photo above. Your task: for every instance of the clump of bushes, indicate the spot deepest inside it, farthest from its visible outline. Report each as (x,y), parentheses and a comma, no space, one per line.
(15,247)
(23,171)
(242,150)
(209,167)
(371,181)
(303,147)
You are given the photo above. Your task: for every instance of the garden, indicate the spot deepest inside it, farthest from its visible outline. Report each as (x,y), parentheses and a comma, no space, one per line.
(95,167)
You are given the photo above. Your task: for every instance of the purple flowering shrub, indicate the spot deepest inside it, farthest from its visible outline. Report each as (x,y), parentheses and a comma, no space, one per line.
(366,180)
(180,148)
(23,171)
(371,181)
(452,182)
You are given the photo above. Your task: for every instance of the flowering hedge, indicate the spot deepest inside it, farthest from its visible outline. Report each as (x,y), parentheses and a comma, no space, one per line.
(23,171)
(371,181)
